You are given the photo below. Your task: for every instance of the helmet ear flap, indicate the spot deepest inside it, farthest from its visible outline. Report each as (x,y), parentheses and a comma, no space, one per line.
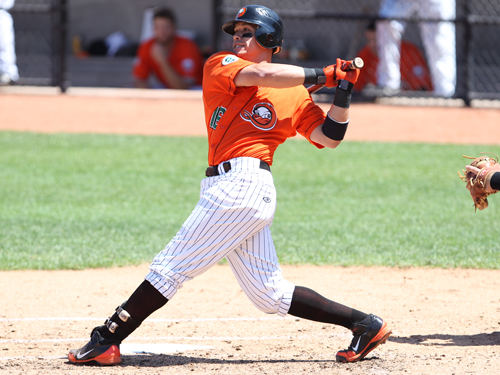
(266,38)
(270,41)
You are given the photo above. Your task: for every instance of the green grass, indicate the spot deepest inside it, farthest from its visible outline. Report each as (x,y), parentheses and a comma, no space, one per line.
(80,201)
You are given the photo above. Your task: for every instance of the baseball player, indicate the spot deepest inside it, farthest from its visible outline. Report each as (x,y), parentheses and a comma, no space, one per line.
(438,38)
(174,61)
(8,67)
(251,107)
(414,73)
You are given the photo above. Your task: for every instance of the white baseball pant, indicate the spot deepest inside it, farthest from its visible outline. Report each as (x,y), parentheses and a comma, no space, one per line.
(231,220)
(7,49)
(438,38)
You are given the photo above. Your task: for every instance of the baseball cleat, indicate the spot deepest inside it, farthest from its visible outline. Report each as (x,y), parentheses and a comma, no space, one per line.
(368,334)
(98,351)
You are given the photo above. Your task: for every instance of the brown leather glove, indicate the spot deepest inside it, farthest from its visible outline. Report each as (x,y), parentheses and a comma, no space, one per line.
(477,176)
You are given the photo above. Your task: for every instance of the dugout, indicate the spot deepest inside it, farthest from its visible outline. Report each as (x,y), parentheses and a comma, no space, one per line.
(317,31)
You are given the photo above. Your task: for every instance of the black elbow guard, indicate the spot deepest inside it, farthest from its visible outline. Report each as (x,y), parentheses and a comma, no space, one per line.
(333,129)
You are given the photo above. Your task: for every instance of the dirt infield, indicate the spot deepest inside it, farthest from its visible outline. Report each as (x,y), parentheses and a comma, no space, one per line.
(443,321)
(141,112)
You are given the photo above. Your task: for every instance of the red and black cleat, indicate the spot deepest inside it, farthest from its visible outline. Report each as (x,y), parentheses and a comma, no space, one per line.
(368,334)
(98,351)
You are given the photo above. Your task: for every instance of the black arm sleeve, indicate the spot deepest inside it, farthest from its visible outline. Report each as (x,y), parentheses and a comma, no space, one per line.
(333,129)
(495,181)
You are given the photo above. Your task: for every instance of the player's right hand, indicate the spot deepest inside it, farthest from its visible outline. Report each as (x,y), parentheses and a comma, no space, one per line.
(334,73)
(159,52)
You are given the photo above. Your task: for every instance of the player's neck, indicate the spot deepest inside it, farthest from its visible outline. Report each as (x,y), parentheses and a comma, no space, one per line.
(257,58)
(167,43)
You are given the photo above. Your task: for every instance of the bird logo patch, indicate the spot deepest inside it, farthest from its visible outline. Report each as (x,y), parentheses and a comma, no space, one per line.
(263,116)
(241,12)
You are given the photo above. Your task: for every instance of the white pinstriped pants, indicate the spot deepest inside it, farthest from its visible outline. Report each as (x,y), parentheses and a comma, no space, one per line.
(7,49)
(231,221)
(438,38)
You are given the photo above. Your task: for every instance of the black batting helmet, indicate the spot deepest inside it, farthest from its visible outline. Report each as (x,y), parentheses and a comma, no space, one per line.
(270,30)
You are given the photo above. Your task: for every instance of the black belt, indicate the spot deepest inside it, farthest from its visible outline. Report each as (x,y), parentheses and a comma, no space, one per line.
(214,169)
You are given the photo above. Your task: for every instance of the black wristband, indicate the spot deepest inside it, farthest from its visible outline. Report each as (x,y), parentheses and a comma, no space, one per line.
(495,181)
(333,129)
(343,94)
(314,76)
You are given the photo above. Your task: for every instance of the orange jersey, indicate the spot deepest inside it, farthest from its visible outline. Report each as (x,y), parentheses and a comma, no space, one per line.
(252,121)
(414,71)
(185,58)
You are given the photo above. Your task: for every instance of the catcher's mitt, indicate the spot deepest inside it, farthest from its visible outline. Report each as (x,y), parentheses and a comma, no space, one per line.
(476,183)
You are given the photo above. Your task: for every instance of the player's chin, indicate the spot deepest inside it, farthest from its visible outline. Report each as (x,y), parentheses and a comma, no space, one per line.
(239,50)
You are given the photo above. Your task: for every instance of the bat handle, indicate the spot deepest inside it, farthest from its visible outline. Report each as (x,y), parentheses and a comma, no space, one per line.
(312,89)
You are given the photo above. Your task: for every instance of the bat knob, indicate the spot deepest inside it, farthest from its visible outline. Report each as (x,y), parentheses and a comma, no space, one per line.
(358,63)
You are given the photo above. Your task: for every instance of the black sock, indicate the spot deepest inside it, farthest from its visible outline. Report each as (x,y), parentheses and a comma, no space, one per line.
(308,304)
(143,302)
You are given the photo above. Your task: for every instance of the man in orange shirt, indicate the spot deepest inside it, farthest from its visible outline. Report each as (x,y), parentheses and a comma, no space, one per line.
(251,107)
(175,61)
(414,71)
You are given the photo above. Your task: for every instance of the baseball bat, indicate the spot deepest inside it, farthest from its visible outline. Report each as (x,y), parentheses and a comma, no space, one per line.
(357,63)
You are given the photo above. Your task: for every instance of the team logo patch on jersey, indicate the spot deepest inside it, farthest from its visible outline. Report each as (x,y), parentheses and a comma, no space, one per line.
(229,59)
(263,116)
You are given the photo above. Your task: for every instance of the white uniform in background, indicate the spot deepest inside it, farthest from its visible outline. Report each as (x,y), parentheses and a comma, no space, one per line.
(8,67)
(438,38)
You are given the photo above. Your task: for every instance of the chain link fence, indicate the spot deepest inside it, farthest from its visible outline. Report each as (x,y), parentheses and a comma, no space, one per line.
(39,28)
(317,32)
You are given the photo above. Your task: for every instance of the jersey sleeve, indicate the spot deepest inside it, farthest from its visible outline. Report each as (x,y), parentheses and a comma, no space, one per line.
(197,57)
(219,73)
(141,68)
(308,116)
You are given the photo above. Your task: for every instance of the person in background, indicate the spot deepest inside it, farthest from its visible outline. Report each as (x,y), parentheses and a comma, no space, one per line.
(438,38)
(414,71)
(8,68)
(175,61)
